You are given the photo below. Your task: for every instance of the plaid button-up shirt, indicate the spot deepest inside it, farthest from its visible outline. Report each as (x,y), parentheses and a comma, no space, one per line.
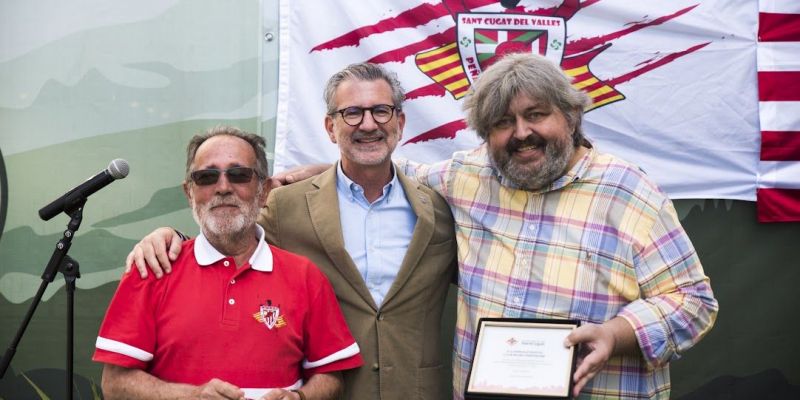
(601,241)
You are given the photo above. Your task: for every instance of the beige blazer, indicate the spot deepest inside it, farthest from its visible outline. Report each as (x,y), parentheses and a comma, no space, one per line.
(400,341)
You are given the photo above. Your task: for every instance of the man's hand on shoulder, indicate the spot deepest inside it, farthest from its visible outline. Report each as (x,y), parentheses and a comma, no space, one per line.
(157,250)
(297,174)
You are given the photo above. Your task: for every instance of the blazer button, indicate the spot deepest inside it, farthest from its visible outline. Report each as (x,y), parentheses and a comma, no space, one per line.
(380,317)
(375,367)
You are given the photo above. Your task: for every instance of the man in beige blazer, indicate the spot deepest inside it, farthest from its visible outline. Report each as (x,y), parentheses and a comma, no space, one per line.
(399,339)
(396,319)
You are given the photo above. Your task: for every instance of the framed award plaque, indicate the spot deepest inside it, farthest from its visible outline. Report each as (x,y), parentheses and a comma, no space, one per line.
(521,359)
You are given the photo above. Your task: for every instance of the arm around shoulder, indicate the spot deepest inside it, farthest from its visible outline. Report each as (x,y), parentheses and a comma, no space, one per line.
(157,250)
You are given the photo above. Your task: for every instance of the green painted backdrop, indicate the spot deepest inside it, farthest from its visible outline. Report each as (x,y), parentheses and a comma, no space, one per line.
(89,81)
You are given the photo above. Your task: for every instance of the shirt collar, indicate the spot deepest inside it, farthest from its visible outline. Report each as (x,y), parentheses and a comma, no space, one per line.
(206,254)
(351,189)
(576,172)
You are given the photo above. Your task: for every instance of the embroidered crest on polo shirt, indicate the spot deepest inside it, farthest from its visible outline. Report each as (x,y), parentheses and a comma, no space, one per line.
(270,316)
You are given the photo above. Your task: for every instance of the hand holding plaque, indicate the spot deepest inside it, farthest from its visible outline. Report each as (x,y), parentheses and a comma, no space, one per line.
(521,358)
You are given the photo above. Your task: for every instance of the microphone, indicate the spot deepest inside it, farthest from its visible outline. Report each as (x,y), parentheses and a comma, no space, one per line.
(117,169)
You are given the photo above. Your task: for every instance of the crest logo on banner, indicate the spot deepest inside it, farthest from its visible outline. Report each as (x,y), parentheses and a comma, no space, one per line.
(484,38)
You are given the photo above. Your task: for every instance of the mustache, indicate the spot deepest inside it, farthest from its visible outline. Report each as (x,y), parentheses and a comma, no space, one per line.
(227,200)
(359,134)
(533,139)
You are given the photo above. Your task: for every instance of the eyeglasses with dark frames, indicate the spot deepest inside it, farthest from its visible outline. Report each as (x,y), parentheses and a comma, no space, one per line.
(353,116)
(237,175)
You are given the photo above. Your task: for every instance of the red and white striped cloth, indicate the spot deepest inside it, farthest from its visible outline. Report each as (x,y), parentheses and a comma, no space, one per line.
(778,193)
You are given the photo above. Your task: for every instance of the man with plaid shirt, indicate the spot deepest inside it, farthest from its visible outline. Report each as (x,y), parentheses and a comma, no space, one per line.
(549,227)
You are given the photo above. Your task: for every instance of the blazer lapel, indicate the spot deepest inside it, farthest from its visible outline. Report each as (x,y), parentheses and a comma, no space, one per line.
(422,205)
(323,205)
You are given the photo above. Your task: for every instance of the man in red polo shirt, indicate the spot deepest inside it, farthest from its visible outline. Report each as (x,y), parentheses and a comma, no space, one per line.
(237,318)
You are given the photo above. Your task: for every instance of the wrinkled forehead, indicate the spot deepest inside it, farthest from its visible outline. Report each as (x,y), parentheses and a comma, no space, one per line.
(224,151)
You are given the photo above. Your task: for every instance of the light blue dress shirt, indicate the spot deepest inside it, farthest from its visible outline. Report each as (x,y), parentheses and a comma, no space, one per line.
(375,235)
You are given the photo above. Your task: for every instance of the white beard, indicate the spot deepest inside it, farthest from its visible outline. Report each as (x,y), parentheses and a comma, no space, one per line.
(226,227)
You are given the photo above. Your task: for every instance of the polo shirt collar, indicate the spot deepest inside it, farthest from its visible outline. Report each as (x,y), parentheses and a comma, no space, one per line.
(206,254)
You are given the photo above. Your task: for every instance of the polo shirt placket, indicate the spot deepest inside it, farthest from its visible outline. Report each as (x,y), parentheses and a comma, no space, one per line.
(231,314)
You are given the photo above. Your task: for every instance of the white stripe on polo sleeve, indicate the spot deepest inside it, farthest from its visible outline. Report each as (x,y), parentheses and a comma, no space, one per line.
(122,348)
(347,352)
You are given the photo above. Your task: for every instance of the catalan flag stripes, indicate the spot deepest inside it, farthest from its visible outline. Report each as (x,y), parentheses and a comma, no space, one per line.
(443,65)
(600,92)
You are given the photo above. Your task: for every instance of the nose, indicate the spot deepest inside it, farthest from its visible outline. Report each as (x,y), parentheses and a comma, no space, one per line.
(521,128)
(223,185)
(368,122)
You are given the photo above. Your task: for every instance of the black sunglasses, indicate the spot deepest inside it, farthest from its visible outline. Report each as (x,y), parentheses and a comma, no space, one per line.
(205,177)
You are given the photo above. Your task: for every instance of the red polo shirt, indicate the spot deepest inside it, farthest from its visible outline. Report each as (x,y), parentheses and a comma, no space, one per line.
(268,324)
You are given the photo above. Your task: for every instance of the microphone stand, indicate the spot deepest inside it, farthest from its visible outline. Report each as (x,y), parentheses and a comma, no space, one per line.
(59,262)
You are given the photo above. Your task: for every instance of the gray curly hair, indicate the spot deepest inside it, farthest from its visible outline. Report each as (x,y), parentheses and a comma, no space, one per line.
(529,74)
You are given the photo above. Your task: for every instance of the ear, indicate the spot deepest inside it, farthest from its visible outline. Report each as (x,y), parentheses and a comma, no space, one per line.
(401,123)
(187,191)
(329,128)
(267,186)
